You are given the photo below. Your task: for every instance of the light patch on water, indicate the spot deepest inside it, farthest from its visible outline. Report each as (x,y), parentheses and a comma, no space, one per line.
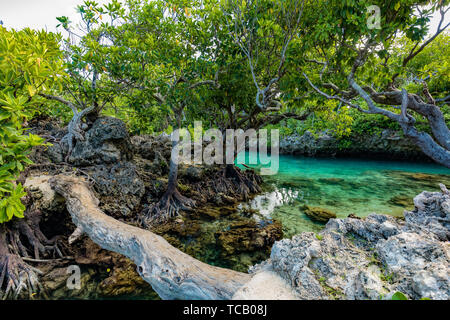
(343,186)
(266,203)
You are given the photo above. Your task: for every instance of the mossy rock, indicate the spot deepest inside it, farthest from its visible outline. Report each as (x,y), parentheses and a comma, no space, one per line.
(125,281)
(332,181)
(248,236)
(318,214)
(402,201)
(184,188)
(178,228)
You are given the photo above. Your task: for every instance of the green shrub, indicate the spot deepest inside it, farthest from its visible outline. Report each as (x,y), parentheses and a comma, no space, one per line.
(30,63)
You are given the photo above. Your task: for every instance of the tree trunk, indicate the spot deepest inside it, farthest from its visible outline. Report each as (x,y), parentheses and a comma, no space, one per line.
(172,201)
(426,143)
(436,120)
(3,244)
(173,170)
(438,148)
(172,273)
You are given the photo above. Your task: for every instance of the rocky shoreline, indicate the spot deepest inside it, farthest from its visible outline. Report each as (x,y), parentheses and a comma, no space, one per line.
(389,144)
(352,258)
(371,258)
(127,174)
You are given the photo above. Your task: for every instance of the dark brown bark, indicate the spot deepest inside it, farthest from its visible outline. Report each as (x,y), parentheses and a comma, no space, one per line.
(16,276)
(172,201)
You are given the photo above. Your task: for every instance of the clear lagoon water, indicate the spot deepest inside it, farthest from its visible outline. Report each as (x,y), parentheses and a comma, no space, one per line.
(344,186)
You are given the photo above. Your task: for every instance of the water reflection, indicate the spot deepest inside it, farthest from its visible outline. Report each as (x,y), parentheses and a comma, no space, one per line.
(266,203)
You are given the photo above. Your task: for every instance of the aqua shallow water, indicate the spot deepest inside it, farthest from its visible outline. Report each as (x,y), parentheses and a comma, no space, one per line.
(344,186)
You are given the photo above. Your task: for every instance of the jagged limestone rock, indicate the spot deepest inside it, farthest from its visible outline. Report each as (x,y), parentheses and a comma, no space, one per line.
(374,257)
(107,141)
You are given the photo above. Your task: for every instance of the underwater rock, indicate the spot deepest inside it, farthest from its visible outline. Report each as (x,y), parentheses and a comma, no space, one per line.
(422,180)
(401,201)
(371,258)
(318,214)
(247,236)
(332,181)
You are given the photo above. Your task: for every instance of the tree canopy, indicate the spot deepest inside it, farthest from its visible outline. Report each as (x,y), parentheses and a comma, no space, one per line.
(30,63)
(235,64)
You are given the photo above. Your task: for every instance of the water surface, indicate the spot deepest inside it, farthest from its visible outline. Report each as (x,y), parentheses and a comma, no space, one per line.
(343,186)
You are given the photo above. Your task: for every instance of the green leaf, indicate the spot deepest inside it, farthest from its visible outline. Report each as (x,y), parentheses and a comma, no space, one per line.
(10,211)
(31,90)
(3,216)
(399,296)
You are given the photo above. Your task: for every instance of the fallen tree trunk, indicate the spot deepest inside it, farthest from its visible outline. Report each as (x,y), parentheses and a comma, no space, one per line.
(172,273)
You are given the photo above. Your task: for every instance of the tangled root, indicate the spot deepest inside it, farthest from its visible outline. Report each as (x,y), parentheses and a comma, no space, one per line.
(168,207)
(239,184)
(20,238)
(41,246)
(18,276)
(245,184)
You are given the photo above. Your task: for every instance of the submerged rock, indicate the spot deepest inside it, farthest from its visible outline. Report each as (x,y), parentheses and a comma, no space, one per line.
(319,214)
(401,201)
(371,258)
(248,236)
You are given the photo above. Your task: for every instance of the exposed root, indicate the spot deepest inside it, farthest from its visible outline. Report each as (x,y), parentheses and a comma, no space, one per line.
(17,276)
(40,245)
(168,207)
(20,238)
(245,184)
(231,180)
(171,273)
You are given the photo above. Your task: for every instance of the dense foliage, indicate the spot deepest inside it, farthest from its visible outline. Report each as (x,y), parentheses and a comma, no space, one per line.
(30,63)
(233,64)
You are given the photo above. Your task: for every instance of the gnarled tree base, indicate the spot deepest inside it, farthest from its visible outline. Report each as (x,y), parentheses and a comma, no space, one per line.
(168,207)
(19,238)
(241,184)
(15,274)
(172,273)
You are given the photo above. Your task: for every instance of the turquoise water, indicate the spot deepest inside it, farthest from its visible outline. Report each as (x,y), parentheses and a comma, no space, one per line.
(343,186)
